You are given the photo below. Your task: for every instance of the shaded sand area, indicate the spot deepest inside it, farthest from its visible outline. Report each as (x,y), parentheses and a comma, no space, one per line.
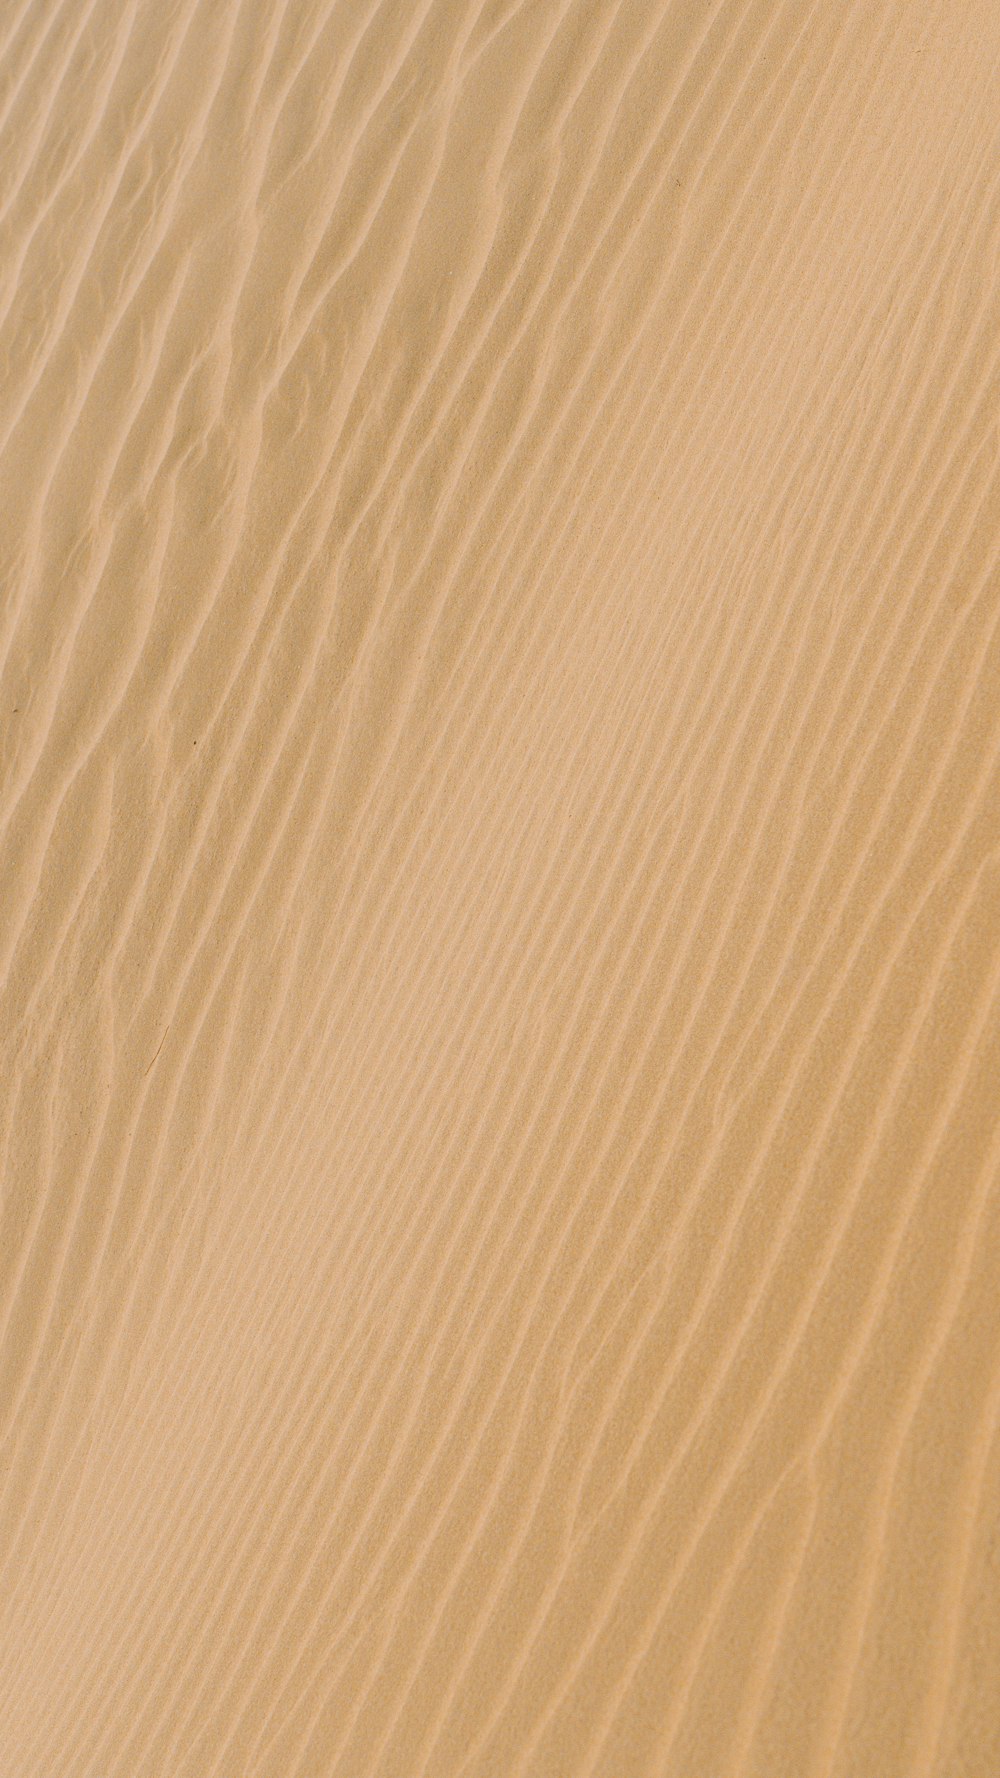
(500,893)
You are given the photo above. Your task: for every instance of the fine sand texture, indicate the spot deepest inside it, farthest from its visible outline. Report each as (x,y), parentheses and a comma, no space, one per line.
(500,889)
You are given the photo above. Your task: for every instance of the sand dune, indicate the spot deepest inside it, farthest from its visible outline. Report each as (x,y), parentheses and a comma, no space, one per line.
(500,906)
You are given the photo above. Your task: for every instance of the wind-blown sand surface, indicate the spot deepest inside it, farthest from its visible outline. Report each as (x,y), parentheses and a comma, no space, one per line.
(500,898)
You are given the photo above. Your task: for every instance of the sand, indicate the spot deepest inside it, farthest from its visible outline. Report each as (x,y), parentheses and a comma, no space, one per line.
(500,892)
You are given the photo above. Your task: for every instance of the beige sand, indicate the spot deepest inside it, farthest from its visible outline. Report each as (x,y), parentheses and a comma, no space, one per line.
(500,925)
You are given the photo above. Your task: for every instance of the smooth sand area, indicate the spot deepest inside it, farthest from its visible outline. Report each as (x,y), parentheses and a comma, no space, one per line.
(500,889)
